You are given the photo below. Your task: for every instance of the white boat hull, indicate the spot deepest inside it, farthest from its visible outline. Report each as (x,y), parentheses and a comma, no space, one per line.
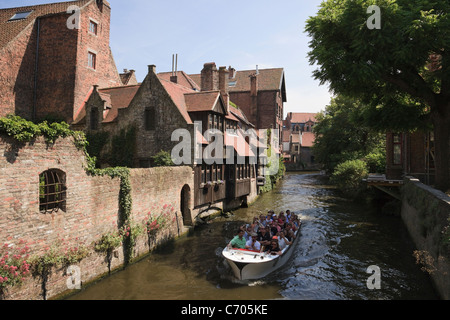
(249,265)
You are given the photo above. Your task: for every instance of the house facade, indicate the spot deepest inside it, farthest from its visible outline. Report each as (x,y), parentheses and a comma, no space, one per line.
(259,93)
(298,140)
(159,111)
(410,154)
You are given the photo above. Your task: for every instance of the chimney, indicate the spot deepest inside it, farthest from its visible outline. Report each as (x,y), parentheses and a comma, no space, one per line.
(174,76)
(152,69)
(210,77)
(232,72)
(254,98)
(223,86)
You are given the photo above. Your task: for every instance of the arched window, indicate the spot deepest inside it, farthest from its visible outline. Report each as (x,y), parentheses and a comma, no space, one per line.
(52,191)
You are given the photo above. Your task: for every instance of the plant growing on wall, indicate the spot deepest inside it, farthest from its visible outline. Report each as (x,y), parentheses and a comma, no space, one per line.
(56,256)
(14,266)
(109,242)
(162,159)
(130,232)
(157,222)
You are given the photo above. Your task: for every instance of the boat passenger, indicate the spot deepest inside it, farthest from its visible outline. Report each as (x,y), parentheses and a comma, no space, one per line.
(238,241)
(253,243)
(262,221)
(283,241)
(275,228)
(264,236)
(268,219)
(255,225)
(289,232)
(288,215)
(274,248)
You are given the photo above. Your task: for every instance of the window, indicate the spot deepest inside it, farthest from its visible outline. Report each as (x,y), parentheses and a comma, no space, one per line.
(20,15)
(397,145)
(210,121)
(92,60)
(150,118)
(52,191)
(93,27)
(203,173)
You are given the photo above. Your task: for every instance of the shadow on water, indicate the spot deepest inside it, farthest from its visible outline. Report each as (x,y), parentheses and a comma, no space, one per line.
(339,240)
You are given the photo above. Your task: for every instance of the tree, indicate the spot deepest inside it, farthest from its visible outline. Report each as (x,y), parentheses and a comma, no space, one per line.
(400,71)
(341,135)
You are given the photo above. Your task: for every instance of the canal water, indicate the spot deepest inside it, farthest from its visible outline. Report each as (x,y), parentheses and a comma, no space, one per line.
(339,240)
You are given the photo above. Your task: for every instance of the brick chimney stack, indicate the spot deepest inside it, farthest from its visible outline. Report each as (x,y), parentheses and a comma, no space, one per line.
(210,77)
(223,86)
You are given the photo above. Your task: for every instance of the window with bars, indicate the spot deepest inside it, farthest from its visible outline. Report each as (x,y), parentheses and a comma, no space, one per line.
(52,191)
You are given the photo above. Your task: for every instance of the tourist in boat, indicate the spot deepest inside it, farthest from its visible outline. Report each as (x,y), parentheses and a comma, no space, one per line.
(255,225)
(289,232)
(274,248)
(238,241)
(261,222)
(253,243)
(283,241)
(264,236)
(275,228)
(288,215)
(269,218)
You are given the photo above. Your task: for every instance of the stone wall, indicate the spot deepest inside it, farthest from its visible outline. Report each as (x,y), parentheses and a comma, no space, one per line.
(92,208)
(426,214)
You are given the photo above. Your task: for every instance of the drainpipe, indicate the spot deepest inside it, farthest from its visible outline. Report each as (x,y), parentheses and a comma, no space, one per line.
(36,69)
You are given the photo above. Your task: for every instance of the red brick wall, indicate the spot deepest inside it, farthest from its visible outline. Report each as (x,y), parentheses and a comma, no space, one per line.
(17,61)
(106,74)
(56,68)
(91,208)
(64,79)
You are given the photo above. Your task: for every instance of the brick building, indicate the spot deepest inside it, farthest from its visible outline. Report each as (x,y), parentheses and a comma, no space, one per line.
(260,93)
(164,103)
(298,140)
(51,55)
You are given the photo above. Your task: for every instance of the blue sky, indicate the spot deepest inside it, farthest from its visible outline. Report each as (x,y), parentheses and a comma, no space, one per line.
(241,34)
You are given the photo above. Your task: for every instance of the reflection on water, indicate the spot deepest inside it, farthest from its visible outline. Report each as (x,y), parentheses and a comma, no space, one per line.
(339,241)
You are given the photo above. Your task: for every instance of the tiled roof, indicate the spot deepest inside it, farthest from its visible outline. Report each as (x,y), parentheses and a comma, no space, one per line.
(308,139)
(117,98)
(182,79)
(11,29)
(201,101)
(268,79)
(177,93)
(302,117)
(239,114)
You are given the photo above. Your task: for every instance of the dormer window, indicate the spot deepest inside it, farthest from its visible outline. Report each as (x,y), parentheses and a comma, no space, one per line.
(20,15)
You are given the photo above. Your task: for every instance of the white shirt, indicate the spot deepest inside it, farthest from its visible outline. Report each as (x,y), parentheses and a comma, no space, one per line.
(257,245)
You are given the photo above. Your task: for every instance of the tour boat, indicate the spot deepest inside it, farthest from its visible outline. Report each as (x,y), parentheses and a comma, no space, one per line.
(252,265)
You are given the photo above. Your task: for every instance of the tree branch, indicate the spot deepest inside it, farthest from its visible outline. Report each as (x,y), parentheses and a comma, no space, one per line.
(414,85)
